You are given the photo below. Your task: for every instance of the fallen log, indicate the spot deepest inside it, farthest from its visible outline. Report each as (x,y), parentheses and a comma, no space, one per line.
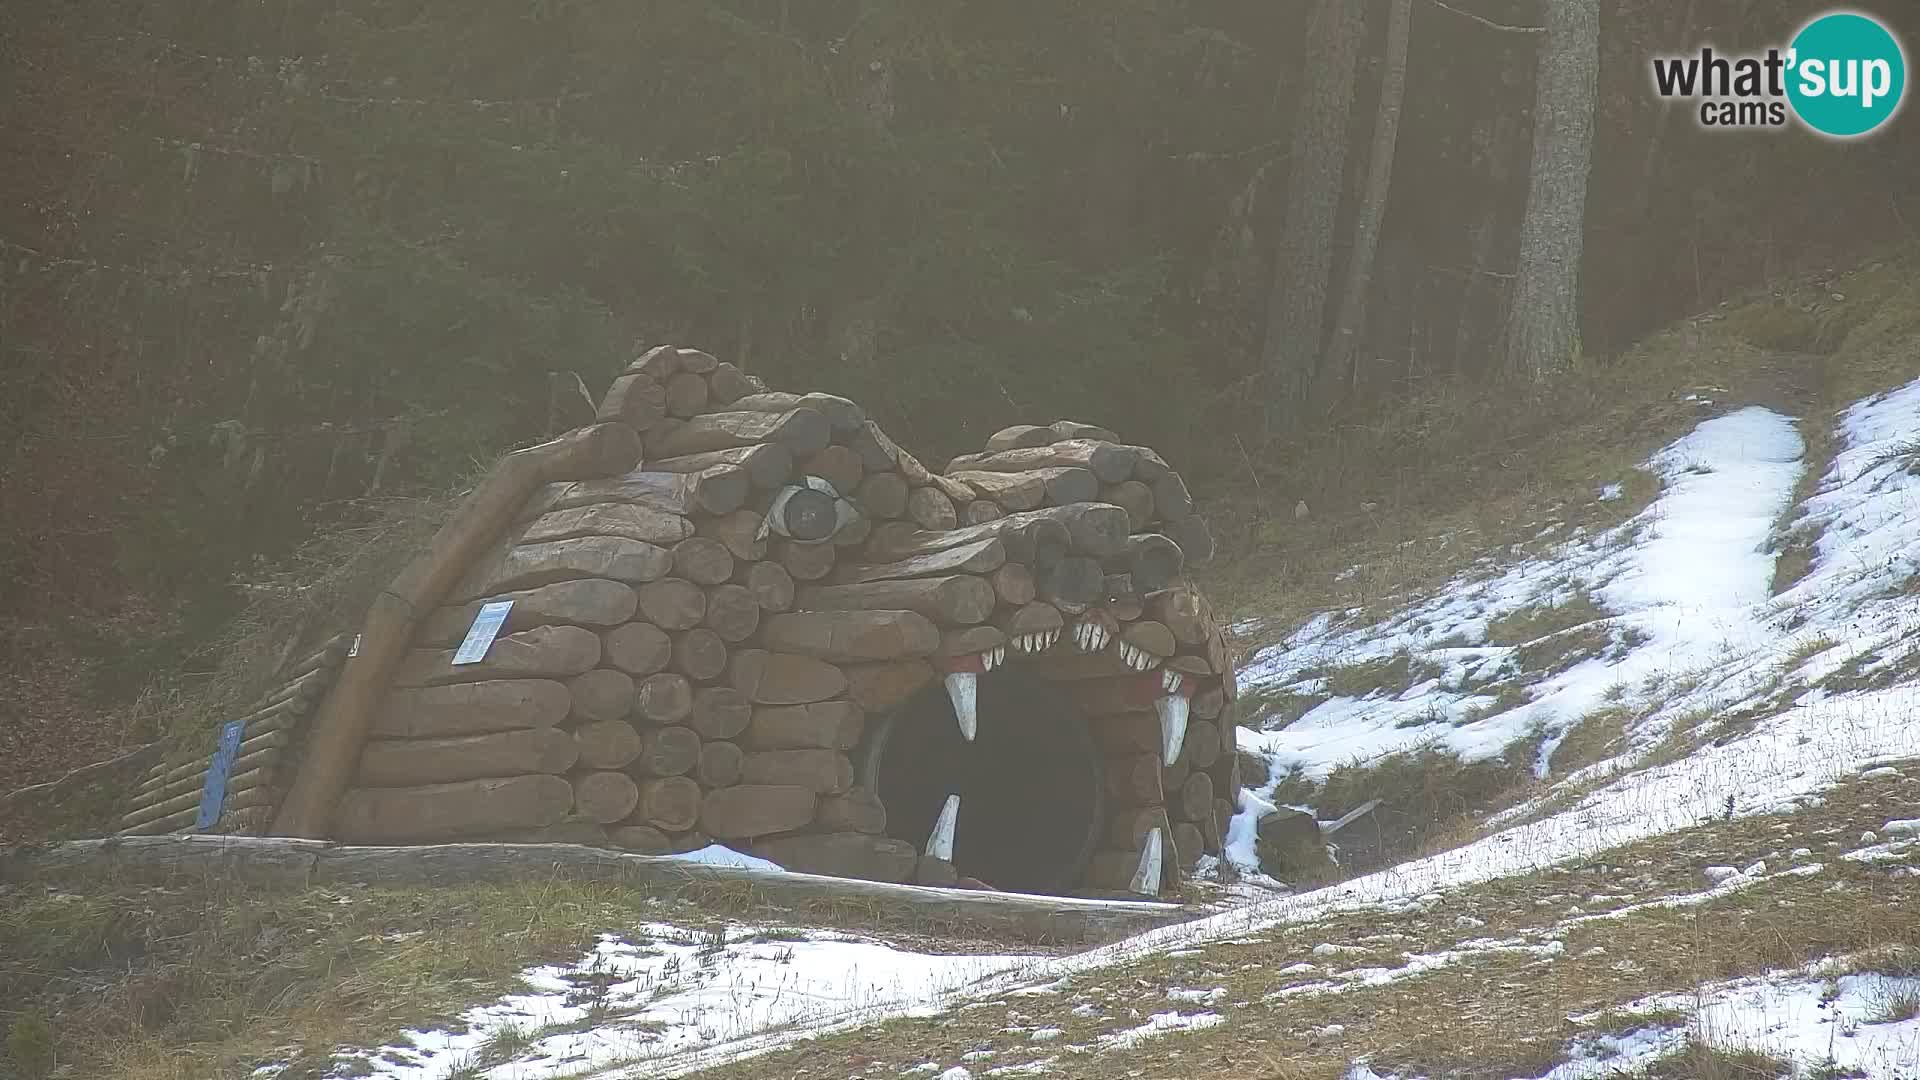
(749,810)
(625,520)
(542,652)
(932,509)
(979,557)
(843,416)
(803,431)
(767,465)
(531,565)
(591,602)
(1109,462)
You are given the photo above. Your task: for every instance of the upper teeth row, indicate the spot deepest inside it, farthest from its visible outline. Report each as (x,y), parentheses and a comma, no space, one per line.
(1091,636)
(1032,643)
(1170,681)
(1136,658)
(993,657)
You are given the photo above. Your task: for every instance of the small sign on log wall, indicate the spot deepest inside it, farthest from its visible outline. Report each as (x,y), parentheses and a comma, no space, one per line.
(213,795)
(486,626)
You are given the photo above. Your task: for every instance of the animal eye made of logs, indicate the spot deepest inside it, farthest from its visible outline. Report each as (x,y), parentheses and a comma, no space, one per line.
(810,512)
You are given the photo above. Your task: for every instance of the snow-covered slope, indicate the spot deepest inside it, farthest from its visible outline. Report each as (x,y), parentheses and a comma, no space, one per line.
(1682,627)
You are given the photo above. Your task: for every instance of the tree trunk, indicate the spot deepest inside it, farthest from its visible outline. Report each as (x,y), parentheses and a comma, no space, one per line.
(1543,321)
(1296,307)
(1366,230)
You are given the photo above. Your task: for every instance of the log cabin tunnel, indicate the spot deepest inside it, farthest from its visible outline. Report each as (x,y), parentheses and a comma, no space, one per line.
(1031,785)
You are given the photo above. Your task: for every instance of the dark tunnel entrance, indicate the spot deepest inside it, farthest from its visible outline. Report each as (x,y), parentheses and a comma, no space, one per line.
(1032,791)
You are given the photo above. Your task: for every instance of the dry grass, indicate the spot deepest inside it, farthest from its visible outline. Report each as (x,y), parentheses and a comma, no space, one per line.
(1483,1013)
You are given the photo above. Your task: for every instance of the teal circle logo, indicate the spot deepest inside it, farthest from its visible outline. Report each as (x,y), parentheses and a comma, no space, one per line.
(1847,75)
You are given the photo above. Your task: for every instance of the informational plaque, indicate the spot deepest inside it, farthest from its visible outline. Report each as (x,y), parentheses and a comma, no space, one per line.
(213,795)
(486,627)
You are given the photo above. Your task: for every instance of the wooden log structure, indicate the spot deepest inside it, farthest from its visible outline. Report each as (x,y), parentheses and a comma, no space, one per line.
(691,671)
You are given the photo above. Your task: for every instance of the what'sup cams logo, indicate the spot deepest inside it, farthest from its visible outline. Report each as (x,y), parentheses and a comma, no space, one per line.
(1843,76)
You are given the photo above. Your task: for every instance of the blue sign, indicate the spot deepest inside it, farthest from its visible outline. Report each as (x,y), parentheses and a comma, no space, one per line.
(213,796)
(486,627)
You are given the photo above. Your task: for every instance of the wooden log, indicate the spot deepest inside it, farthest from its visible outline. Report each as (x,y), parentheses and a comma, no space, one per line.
(772,678)
(1128,829)
(386,763)
(837,465)
(542,652)
(665,698)
(1154,561)
(875,449)
(1195,540)
(738,532)
(1148,466)
(1171,499)
(979,557)
(1013,584)
(749,810)
(671,803)
(1021,533)
(1149,635)
(669,751)
(858,810)
(639,839)
(1194,801)
(844,636)
(843,416)
(882,495)
(771,585)
(1208,703)
(719,764)
(529,566)
(981,511)
(1032,618)
(1202,746)
(658,363)
(733,612)
(1188,843)
(1064,430)
(1109,462)
(1012,490)
(971,641)
(854,533)
(1019,437)
(931,509)
(702,560)
(604,796)
(636,400)
(1072,584)
(1174,775)
(1135,498)
(260,752)
(590,602)
(1123,599)
(842,855)
(1183,611)
(960,600)
(673,603)
(607,744)
(719,712)
(876,687)
(699,654)
(340,727)
(444,811)
(803,431)
(600,694)
(959,491)
(691,840)
(717,489)
(767,465)
(686,394)
(727,384)
(698,362)
(1066,485)
(825,725)
(805,562)
(330,655)
(621,520)
(825,772)
(1134,780)
(1189,664)
(471,708)
(638,648)
(916,474)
